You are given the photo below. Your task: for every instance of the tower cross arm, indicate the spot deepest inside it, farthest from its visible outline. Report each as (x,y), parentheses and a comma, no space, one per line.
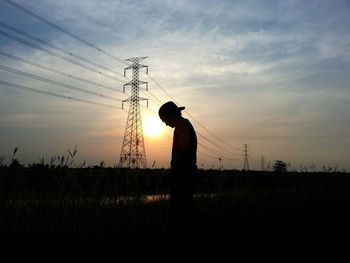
(135,59)
(135,65)
(130,83)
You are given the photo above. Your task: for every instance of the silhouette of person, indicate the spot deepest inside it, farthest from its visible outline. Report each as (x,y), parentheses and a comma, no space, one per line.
(182,176)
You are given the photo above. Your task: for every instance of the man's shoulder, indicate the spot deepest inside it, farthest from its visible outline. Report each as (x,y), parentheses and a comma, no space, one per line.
(182,126)
(183,123)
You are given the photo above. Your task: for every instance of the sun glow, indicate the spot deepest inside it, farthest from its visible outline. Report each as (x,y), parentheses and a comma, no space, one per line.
(152,126)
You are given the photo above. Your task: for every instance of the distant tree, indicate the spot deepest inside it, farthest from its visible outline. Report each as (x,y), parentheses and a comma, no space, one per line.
(2,158)
(280,166)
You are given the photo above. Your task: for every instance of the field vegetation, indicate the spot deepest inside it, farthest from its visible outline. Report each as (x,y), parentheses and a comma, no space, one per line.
(56,212)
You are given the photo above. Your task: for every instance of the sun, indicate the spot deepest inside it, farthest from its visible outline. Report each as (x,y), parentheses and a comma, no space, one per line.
(152,127)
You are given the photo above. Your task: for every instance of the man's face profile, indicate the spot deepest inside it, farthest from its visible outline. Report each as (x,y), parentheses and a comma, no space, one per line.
(169,121)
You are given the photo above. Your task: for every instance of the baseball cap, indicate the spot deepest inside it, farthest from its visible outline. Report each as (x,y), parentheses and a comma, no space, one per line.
(169,108)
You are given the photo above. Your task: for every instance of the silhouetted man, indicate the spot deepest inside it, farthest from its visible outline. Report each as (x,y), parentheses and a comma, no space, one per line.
(183,172)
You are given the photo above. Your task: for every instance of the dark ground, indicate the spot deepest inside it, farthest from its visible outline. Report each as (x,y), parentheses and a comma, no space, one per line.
(288,217)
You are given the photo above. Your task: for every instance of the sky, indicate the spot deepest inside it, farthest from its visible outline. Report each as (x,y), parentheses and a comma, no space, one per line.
(270,74)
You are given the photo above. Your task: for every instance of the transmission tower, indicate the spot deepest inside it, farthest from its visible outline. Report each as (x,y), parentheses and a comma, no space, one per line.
(262,163)
(133,154)
(246,163)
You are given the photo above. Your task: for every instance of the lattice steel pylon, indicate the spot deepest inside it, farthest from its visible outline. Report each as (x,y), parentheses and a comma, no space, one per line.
(246,163)
(133,153)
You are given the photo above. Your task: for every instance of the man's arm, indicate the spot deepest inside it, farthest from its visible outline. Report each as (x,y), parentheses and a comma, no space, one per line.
(181,147)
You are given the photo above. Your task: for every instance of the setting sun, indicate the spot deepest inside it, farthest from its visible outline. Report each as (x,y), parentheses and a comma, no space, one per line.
(152,127)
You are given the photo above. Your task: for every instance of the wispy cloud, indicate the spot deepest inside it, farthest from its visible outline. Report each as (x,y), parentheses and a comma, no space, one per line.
(272,70)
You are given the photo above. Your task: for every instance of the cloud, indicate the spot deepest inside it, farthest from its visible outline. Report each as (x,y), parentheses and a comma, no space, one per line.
(271,70)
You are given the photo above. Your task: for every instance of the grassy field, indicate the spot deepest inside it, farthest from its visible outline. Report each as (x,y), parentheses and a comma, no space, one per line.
(69,214)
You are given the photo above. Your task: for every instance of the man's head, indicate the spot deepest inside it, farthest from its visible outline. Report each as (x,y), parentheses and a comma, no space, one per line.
(169,113)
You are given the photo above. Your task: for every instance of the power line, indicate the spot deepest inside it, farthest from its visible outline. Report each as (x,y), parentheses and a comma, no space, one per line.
(200,124)
(31,13)
(148,108)
(62,73)
(156,100)
(22,73)
(162,89)
(199,134)
(85,60)
(55,47)
(222,154)
(89,44)
(208,155)
(213,150)
(12,85)
(57,55)
(212,134)
(217,145)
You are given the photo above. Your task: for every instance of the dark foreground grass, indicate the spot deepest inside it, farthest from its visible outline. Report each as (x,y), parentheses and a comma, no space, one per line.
(284,218)
(65,231)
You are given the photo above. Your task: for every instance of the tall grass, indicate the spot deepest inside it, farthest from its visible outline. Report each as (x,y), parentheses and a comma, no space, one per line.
(57,214)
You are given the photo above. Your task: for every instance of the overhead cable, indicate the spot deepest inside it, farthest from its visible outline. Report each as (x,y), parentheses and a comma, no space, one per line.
(62,73)
(200,124)
(31,13)
(57,55)
(57,83)
(57,48)
(16,86)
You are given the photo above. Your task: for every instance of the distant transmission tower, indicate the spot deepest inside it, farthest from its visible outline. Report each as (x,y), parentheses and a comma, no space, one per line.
(133,154)
(246,163)
(262,163)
